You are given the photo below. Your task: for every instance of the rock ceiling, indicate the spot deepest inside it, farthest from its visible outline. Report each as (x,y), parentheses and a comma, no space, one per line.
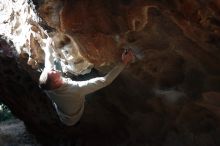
(177,47)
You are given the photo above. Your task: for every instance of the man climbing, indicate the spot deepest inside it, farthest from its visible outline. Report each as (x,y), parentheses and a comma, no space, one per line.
(68,95)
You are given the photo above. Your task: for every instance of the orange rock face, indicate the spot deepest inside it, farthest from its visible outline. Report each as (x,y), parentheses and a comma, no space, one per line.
(100,27)
(171,40)
(170,95)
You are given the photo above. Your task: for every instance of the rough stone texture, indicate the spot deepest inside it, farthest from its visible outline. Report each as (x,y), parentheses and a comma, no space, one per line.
(20,23)
(168,97)
(101,27)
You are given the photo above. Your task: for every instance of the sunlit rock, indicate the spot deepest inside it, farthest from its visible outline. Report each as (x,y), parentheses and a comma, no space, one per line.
(20,24)
(168,96)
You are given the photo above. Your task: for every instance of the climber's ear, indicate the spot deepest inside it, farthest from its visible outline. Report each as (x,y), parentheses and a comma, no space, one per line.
(54,79)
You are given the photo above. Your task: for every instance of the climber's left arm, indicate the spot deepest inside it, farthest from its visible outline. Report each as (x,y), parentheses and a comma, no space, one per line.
(49,59)
(92,85)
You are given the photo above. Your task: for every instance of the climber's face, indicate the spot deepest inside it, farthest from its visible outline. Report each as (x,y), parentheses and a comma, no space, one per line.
(55,78)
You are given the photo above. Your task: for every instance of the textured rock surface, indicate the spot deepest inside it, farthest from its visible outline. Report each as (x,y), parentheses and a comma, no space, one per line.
(20,24)
(168,97)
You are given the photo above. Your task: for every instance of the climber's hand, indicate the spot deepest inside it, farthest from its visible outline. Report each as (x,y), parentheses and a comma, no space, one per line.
(128,56)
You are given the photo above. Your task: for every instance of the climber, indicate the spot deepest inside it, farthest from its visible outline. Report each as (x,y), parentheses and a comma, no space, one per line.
(67,95)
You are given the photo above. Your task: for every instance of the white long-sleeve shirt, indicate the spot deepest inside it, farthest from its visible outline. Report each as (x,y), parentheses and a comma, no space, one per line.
(70,97)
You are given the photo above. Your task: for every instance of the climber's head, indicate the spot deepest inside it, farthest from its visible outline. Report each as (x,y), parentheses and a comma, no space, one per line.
(50,80)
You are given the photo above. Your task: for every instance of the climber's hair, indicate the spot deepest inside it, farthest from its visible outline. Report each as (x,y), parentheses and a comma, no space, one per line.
(45,82)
